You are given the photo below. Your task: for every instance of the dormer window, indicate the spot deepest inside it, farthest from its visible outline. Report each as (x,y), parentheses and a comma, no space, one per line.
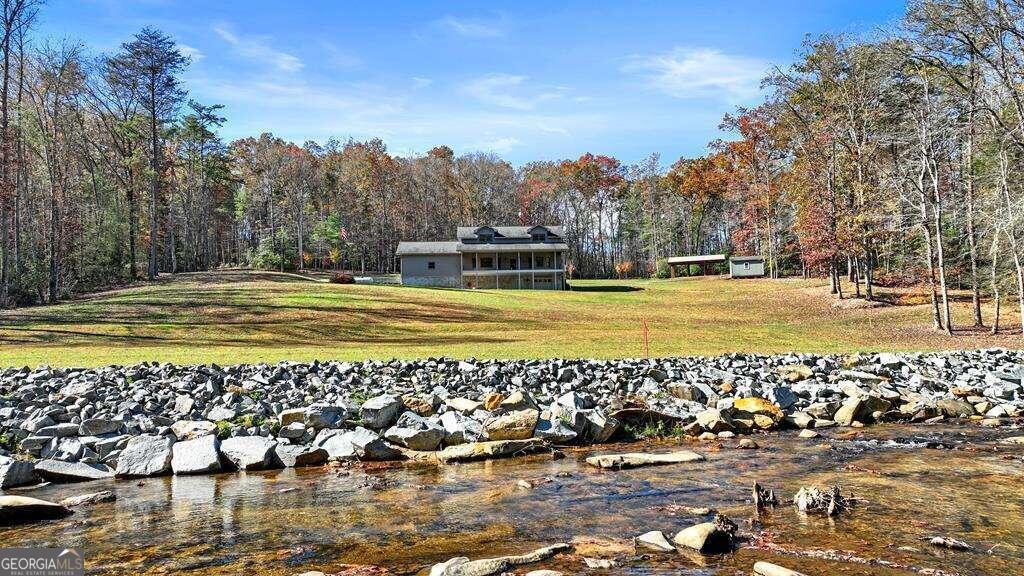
(539,236)
(486,237)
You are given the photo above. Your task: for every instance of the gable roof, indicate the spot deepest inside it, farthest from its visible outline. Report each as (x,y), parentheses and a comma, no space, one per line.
(523,232)
(427,248)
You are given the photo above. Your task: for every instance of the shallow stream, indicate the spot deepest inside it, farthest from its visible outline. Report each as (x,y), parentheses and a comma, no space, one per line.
(954,481)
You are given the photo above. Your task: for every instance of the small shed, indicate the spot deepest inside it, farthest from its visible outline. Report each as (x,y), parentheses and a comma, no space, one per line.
(706,262)
(746,267)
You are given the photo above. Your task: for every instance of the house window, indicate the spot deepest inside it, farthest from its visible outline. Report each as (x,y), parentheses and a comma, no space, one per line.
(486,237)
(431,265)
(746,265)
(538,236)
(486,262)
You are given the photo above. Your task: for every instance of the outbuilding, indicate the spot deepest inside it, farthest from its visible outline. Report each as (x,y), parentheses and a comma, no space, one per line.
(746,267)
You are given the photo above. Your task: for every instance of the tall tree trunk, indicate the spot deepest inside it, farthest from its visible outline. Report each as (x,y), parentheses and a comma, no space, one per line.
(939,254)
(154,183)
(994,279)
(54,267)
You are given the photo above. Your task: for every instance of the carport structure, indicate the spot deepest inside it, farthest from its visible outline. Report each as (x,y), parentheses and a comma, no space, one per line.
(705,262)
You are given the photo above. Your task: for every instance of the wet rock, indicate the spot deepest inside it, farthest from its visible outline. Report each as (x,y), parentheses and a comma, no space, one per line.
(599,563)
(14,473)
(491,449)
(1013,440)
(197,456)
(517,425)
(23,510)
(59,471)
(654,540)
(249,452)
(554,431)
(809,434)
(463,566)
(544,573)
(708,537)
(88,499)
(747,444)
(638,459)
(145,455)
(293,456)
(769,569)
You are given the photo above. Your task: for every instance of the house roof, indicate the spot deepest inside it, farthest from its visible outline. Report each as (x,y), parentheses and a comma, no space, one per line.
(431,248)
(523,232)
(747,259)
(696,259)
(523,247)
(425,248)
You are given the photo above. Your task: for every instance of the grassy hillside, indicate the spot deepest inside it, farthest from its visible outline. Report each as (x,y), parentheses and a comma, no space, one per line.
(232,317)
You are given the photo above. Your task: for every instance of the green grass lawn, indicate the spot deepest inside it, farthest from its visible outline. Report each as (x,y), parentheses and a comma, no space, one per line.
(231,317)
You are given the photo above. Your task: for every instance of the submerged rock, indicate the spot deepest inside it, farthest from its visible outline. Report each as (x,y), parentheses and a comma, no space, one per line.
(637,459)
(708,537)
(491,449)
(463,566)
(654,540)
(769,569)
(88,499)
(23,510)
(59,471)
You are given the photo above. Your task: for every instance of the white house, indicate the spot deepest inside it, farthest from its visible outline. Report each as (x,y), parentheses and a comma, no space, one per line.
(746,267)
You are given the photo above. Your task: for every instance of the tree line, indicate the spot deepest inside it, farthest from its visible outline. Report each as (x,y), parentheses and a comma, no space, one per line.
(890,161)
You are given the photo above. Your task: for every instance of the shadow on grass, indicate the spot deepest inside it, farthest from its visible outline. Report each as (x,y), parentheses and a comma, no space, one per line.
(605,288)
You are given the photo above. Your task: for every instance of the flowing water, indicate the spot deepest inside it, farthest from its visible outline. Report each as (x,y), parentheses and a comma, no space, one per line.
(915,482)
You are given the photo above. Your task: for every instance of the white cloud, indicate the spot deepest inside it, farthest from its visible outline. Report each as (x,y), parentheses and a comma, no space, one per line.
(194,53)
(500,145)
(258,48)
(700,72)
(420,82)
(506,91)
(471,27)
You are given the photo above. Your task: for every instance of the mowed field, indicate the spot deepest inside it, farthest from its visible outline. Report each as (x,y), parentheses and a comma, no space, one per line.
(232,317)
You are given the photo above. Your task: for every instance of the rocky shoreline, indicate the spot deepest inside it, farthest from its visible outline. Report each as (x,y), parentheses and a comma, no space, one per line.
(63,425)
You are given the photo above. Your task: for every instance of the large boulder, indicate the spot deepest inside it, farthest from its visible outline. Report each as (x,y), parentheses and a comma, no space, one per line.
(555,431)
(249,452)
(492,449)
(145,455)
(517,425)
(60,471)
(416,432)
(293,456)
(14,473)
(381,411)
(758,406)
(637,459)
(370,446)
(706,538)
(954,408)
(23,510)
(600,427)
(197,456)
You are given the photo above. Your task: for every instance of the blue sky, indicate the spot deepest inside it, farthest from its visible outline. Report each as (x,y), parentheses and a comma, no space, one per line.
(527,80)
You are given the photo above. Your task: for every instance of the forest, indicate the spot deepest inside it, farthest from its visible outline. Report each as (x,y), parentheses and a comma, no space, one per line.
(894,160)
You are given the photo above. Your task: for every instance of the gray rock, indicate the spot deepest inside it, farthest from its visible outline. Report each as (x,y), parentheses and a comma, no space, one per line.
(145,455)
(416,432)
(249,452)
(319,416)
(459,429)
(654,540)
(381,411)
(190,429)
(60,471)
(715,420)
(292,456)
(14,473)
(199,455)
(554,431)
(221,413)
(98,426)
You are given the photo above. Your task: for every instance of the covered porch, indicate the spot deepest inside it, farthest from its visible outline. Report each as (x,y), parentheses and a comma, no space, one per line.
(513,269)
(704,263)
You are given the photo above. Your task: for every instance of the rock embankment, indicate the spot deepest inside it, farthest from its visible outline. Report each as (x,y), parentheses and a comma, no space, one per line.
(151,419)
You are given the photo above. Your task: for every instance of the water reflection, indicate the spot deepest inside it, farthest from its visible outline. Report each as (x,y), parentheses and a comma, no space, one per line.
(408,517)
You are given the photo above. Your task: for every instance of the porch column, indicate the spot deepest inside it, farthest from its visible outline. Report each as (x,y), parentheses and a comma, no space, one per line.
(519,270)
(533,270)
